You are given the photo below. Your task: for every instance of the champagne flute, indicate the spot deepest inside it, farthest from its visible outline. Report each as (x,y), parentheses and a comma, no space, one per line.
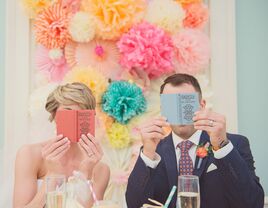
(55,191)
(188,192)
(105,204)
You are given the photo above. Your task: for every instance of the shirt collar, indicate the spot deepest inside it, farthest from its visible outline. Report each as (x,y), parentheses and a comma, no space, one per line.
(195,138)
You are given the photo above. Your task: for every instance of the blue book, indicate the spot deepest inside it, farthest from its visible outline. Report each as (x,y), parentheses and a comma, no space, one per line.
(179,109)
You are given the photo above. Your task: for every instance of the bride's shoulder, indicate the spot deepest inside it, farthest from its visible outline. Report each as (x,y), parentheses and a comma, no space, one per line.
(31,151)
(28,160)
(102,168)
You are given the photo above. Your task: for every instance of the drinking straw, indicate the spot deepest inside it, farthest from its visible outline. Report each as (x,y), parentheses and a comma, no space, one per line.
(93,193)
(170,196)
(155,202)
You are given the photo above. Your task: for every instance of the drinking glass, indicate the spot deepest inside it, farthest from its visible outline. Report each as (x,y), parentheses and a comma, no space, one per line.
(55,191)
(105,204)
(188,192)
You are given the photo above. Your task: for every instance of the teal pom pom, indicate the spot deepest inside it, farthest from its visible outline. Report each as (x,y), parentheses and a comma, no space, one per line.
(123,101)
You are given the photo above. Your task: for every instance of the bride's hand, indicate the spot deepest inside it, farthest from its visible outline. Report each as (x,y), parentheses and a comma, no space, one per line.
(92,154)
(52,152)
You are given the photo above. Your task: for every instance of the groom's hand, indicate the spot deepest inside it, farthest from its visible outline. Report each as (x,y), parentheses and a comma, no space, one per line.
(151,134)
(214,124)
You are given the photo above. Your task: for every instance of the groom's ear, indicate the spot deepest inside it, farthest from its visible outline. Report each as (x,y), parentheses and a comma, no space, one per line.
(203,104)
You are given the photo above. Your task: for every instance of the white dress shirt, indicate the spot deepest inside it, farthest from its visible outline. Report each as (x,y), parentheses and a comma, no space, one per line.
(195,138)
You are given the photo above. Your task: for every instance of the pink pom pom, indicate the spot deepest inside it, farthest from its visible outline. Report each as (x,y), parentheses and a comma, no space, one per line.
(148,47)
(99,54)
(196,16)
(192,51)
(99,51)
(54,67)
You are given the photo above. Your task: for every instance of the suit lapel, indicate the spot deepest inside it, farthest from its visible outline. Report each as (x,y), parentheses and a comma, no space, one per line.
(169,155)
(198,171)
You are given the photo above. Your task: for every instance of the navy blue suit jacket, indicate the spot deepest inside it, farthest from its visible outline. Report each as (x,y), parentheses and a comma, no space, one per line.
(232,185)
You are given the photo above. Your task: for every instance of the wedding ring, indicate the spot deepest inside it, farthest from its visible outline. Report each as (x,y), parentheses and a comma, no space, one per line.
(211,123)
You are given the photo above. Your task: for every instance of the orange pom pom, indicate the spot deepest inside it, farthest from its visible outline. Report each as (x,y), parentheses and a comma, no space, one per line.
(51,27)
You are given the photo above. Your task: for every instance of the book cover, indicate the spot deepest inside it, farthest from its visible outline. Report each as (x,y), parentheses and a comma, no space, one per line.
(74,123)
(179,109)
(85,122)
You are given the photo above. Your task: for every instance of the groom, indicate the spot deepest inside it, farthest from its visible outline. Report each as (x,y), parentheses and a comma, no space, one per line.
(227,176)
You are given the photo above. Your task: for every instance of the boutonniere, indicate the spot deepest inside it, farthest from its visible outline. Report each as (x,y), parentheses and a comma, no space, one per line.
(203,151)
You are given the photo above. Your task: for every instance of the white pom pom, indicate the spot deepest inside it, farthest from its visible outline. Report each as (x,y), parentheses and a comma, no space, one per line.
(82,27)
(55,53)
(167,14)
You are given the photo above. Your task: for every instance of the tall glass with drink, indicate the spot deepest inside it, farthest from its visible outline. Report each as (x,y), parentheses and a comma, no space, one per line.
(188,192)
(105,204)
(55,191)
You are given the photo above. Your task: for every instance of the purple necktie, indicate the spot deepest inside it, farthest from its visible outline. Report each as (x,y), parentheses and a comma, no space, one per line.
(185,162)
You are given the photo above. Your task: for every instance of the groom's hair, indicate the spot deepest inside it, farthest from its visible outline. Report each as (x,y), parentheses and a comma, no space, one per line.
(179,79)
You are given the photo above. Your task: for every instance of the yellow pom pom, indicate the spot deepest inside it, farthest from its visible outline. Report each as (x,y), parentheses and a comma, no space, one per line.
(118,135)
(33,7)
(90,77)
(114,17)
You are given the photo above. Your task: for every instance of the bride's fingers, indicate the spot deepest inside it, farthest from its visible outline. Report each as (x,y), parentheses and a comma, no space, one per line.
(96,143)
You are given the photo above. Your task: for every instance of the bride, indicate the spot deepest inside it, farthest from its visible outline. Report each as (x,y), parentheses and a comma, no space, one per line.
(35,162)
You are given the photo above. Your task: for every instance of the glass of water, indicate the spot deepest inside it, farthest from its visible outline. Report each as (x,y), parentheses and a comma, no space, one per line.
(55,191)
(188,192)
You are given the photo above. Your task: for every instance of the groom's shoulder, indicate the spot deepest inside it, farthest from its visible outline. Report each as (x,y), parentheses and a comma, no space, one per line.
(238,140)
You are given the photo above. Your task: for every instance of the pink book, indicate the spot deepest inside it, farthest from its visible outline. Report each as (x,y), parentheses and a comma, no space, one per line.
(74,123)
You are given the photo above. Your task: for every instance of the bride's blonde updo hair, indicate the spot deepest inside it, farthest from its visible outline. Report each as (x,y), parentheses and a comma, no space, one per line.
(70,94)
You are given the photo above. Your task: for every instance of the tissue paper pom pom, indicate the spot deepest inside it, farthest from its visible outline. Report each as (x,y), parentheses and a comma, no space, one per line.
(114,17)
(82,27)
(118,136)
(207,92)
(148,47)
(192,51)
(33,7)
(38,98)
(186,2)
(123,100)
(51,27)
(90,77)
(72,5)
(166,14)
(100,54)
(120,177)
(51,62)
(196,16)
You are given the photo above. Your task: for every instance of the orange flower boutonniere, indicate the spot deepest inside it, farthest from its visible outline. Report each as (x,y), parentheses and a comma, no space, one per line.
(203,151)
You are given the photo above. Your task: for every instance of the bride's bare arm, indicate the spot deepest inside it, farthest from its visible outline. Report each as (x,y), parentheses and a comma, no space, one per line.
(92,167)
(25,188)
(101,177)
(28,162)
